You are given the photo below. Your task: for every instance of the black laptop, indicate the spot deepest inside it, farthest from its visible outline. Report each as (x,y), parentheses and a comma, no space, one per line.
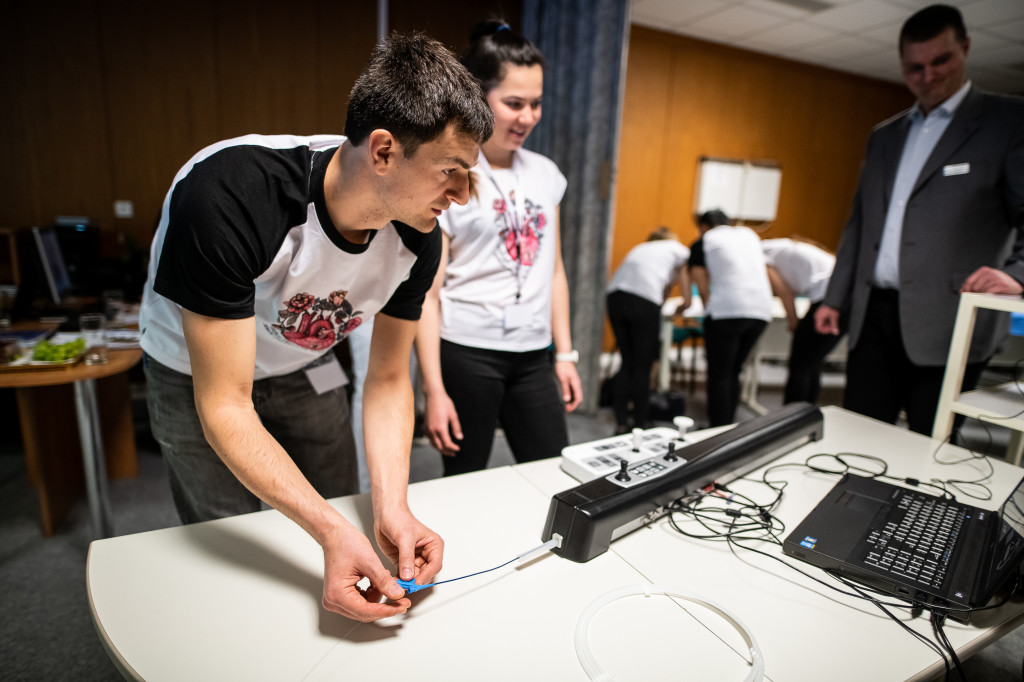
(911,544)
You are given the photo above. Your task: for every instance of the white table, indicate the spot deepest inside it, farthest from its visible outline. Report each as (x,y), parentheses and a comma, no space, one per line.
(239,598)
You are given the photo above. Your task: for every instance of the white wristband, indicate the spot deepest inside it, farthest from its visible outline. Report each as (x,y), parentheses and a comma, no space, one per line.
(571,356)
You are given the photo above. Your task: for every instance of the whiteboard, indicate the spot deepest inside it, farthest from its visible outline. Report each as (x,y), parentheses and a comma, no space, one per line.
(745,191)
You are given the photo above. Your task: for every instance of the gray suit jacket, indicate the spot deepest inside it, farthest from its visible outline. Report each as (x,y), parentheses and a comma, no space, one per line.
(954,224)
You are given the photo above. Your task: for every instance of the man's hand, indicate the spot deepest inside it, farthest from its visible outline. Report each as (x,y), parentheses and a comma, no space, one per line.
(569,380)
(416,550)
(348,558)
(826,320)
(441,423)
(986,280)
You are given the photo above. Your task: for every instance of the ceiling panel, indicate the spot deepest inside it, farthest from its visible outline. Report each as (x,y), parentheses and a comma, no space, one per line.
(858,36)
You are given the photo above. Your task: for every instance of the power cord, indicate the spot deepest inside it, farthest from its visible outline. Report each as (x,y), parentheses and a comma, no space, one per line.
(744,521)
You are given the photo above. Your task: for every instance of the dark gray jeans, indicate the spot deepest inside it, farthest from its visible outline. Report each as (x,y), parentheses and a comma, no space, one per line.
(315,430)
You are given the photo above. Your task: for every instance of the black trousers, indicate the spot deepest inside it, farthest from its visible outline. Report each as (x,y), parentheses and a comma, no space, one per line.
(727,343)
(635,322)
(519,391)
(807,354)
(880,378)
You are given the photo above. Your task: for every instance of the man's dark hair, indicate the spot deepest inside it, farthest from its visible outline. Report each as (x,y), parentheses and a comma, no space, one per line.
(414,88)
(931,22)
(493,45)
(713,218)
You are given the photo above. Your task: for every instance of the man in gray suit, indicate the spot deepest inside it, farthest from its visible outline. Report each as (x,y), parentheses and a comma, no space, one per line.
(937,212)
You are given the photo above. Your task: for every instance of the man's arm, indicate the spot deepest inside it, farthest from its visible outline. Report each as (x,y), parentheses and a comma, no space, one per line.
(699,274)
(781,289)
(387,428)
(441,421)
(222,354)
(568,378)
(684,289)
(1007,279)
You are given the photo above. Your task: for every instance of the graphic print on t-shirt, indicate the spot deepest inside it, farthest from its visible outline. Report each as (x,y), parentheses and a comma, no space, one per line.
(519,243)
(317,323)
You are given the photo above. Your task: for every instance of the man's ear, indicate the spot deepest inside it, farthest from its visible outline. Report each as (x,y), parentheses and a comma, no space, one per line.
(383,149)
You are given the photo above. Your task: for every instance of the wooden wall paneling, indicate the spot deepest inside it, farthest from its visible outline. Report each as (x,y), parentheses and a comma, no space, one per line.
(345,35)
(700,98)
(452,25)
(647,144)
(19,204)
(161,73)
(266,68)
(56,141)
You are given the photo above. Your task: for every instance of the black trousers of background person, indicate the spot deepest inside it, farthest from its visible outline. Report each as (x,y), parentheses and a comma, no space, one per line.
(519,391)
(635,322)
(880,378)
(807,354)
(727,343)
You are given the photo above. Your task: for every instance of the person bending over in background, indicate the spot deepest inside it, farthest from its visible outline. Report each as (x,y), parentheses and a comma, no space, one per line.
(797,267)
(727,265)
(636,293)
(501,295)
(269,251)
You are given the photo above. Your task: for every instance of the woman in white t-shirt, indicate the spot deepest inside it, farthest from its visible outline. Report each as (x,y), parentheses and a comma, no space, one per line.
(501,298)
(797,267)
(728,267)
(636,293)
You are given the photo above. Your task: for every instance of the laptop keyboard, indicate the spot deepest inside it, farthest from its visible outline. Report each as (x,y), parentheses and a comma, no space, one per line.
(915,539)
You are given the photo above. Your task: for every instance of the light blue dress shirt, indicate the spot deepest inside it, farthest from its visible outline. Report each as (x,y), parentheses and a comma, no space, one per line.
(925,132)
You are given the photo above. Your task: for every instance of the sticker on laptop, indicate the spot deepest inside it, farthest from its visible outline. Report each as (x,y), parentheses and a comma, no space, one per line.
(809,542)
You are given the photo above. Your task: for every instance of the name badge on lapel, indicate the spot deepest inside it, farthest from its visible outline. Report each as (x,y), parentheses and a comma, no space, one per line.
(956,169)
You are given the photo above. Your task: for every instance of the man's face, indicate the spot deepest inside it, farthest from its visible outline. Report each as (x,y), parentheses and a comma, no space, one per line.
(419,189)
(934,69)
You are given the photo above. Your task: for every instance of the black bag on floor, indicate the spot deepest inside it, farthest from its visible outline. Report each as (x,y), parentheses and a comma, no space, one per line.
(665,406)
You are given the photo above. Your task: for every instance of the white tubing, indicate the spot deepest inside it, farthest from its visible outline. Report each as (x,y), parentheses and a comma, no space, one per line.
(596,673)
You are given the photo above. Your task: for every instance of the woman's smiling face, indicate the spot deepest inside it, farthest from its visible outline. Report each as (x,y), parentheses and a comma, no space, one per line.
(515,102)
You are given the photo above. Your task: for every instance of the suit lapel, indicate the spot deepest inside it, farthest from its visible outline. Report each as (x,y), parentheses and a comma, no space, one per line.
(965,122)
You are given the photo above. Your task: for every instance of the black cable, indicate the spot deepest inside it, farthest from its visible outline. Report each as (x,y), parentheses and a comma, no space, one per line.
(937,619)
(743,520)
(881,606)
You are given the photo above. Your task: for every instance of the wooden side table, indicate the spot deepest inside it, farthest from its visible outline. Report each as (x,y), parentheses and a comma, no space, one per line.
(77,409)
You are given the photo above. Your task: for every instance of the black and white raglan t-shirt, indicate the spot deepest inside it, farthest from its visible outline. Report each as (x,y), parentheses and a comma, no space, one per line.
(244,232)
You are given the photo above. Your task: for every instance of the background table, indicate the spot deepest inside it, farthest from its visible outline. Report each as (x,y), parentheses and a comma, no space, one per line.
(239,598)
(773,344)
(76,429)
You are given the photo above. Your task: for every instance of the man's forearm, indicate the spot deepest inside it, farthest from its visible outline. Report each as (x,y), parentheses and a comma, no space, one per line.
(387,427)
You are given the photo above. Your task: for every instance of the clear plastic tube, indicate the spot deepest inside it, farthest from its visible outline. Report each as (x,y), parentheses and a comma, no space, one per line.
(597,674)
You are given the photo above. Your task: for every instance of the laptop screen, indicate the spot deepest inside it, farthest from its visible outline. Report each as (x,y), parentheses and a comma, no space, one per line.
(1009,545)
(52,260)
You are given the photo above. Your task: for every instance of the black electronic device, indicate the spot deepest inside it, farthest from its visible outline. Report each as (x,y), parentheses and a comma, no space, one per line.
(591,515)
(46,290)
(913,545)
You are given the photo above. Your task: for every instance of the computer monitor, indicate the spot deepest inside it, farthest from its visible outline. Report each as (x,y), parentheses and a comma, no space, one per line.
(51,260)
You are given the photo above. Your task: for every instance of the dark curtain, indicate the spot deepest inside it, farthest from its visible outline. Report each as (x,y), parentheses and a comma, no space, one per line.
(584,43)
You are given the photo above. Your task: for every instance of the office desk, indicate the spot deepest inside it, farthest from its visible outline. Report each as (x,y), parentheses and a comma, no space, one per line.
(99,397)
(239,598)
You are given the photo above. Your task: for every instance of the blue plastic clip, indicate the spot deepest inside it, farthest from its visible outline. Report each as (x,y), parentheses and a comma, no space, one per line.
(410,586)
